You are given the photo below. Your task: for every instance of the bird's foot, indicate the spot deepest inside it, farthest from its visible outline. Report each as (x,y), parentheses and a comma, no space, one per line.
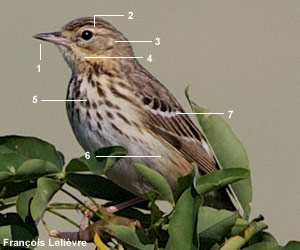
(89,213)
(98,227)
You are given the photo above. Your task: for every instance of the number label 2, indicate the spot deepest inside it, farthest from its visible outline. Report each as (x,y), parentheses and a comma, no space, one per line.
(130,15)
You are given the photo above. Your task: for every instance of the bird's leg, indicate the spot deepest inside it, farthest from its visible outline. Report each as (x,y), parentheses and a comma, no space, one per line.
(123,205)
(88,214)
(87,234)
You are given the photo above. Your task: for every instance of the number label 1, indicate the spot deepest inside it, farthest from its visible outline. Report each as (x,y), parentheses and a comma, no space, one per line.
(230,113)
(39,68)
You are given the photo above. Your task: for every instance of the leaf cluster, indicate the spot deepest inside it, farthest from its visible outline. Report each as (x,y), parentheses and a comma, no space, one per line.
(32,171)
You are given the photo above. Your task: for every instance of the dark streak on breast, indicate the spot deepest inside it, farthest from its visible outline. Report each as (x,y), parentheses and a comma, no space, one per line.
(89,126)
(116,128)
(123,118)
(94,104)
(88,104)
(100,91)
(88,114)
(99,126)
(99,116)
(96,69)
(78,114)
(109,114)
(118,94)
(108,103)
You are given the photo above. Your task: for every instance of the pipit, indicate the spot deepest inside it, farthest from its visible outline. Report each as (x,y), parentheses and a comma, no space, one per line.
(126,105)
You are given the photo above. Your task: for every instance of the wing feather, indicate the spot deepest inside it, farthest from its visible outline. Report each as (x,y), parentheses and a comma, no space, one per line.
(180,132)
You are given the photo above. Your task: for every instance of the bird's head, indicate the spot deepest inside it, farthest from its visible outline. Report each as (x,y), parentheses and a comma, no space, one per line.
(83,38)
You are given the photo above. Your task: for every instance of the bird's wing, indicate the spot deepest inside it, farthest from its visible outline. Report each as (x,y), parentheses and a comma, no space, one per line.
(179,131)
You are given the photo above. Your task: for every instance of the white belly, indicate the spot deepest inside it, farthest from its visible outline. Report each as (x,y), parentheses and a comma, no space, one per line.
(123,173)
(93,133)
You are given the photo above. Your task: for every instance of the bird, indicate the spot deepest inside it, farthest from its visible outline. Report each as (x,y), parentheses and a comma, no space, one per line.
(127,106)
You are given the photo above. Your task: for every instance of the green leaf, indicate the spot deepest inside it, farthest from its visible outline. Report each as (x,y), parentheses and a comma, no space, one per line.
(5,150)
(292,245)
(46,189)
(183,183)
(228,151)
(215,247)
(23,203)
(35,168)
(213,224)
(157,182)
(220,178)
(83,164)
(12,227)
(32,148)
(9,202)
(262,237)
(236,242)
(264,246)
(10,189)
(182,227)
(77,165)
(240,226)
(9,164)
(97,165)
(129,237)
(15,167)
(156,213)
(27,158)
(107,162)
(98,187)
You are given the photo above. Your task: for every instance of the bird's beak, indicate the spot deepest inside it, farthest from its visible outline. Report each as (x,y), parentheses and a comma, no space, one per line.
(53,37)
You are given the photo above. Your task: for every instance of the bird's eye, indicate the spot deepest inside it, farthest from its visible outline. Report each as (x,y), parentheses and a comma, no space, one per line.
(87,34)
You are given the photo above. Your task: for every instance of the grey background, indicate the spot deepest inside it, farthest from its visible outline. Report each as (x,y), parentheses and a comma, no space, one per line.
(239,55)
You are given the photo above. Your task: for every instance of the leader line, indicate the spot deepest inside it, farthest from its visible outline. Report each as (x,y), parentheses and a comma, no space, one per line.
(40,52)
(133,41)
(94,57)
(63,100)
(128,156)
(200,113)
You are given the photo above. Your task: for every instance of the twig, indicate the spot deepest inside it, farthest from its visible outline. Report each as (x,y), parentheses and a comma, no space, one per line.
(98,213)
(67,206)
(63,217)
